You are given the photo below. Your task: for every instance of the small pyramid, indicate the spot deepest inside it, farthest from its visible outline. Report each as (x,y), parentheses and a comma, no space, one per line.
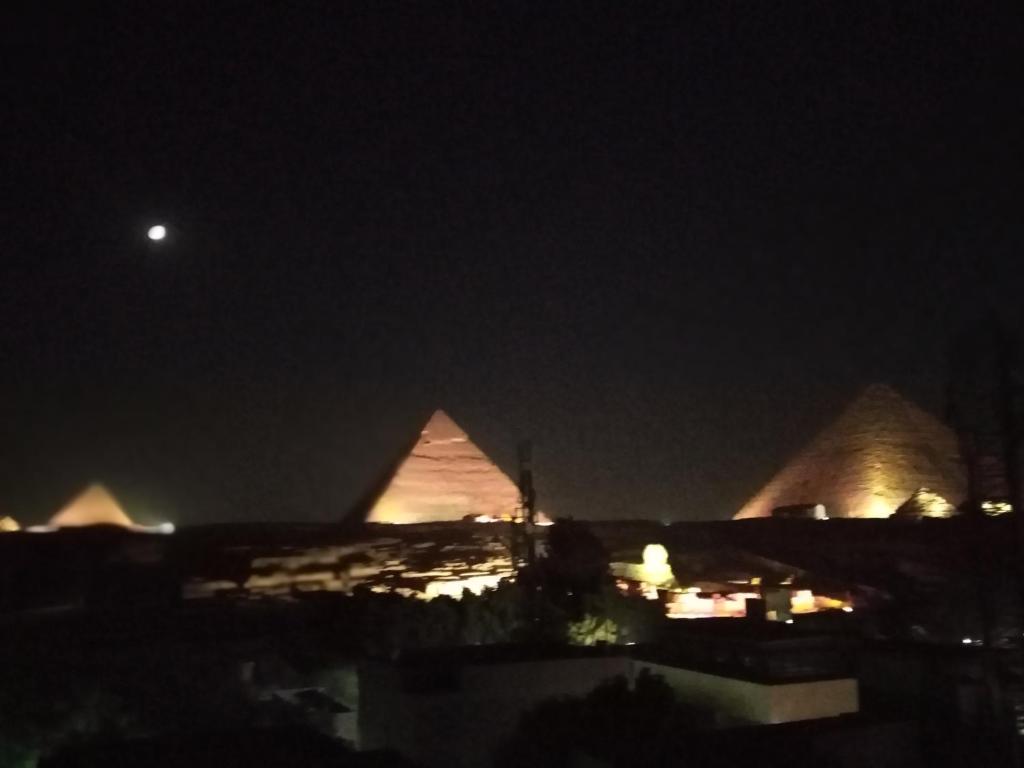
(877,454)
(445,477)
(925,503)
(93,506)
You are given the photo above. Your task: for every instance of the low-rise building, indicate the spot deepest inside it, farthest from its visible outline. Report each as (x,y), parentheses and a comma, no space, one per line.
(454,707)
(755,671)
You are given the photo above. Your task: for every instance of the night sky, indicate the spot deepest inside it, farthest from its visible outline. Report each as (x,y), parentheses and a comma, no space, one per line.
(666,242)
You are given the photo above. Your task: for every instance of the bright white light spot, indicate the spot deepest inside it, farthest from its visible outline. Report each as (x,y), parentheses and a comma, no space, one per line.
(157,232)
(165,528)
(967,641)
(848,609)
(789,621)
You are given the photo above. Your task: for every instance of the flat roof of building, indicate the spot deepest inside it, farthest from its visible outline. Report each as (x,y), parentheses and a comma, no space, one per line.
(506,653)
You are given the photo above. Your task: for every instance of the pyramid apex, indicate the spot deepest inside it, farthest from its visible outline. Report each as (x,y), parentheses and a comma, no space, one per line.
(442,427)
(880,390)
(445,477)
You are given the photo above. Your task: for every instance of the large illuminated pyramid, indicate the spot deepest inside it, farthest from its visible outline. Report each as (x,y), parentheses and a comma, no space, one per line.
(93,506)
(444,477)
(876,455)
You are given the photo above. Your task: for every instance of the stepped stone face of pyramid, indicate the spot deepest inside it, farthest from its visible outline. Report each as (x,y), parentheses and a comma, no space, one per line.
(445,477)
(876,455)
(94,506)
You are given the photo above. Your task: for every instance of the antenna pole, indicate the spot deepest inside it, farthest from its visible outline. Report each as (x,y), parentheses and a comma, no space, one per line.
(527,515)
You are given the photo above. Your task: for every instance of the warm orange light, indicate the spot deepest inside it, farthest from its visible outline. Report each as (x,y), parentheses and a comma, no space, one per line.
(455,587)
(690,605)
(94,506)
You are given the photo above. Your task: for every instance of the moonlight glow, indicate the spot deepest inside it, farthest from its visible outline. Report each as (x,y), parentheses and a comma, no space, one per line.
(157,232)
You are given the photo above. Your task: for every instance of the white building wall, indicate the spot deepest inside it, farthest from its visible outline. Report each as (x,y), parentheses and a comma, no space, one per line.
(461,728)
(757,702)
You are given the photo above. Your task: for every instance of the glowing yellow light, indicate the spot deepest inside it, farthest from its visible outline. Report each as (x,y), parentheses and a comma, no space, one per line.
(878,508)
(656,569)
(932,504)
(802,601)
(8,525)
(996,507)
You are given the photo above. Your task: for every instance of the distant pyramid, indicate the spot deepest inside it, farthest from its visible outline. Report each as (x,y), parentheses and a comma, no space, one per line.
(877,454)
(444,477)
(94,506)
(925,503)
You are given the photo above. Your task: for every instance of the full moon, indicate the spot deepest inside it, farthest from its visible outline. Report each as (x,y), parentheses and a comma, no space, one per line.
(157,232)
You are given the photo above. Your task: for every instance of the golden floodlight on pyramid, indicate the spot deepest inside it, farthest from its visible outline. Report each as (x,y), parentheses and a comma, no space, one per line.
(445,477)
(93,506)
(880,452)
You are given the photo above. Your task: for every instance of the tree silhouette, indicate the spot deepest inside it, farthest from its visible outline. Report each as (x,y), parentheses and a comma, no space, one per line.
(616,723)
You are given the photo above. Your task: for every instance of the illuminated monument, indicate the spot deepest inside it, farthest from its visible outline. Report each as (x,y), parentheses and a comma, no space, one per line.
(94,506)
(881,451)
(445,477)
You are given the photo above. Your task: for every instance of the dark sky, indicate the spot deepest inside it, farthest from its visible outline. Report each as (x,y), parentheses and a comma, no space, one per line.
(666,242)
